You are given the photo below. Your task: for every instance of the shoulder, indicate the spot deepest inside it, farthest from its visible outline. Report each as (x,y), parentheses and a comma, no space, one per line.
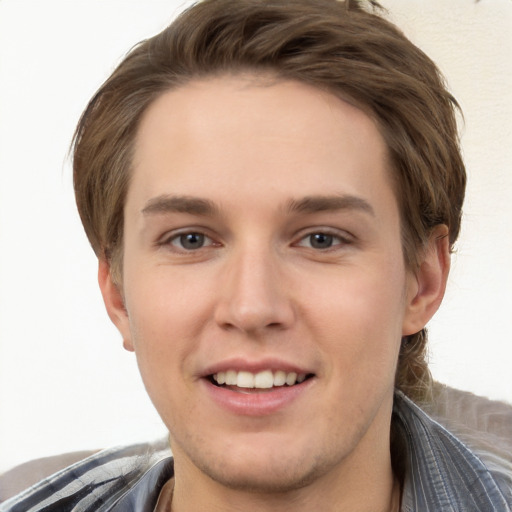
(458,452)
(486,424)
(29,473)
(99,482)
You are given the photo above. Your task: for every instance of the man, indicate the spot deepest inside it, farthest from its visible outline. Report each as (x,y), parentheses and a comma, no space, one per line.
(273,191)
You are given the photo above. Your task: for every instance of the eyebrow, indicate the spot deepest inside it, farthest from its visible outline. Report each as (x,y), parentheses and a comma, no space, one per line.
(315,204)
(179,204)
(309,204)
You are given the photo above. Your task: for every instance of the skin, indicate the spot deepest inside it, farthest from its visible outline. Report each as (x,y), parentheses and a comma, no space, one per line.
(261,288)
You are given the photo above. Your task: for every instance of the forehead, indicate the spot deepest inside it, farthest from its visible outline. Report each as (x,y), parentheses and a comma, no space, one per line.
(228,136)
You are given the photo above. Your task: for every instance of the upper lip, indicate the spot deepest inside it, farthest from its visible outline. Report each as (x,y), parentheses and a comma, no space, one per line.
(241,364)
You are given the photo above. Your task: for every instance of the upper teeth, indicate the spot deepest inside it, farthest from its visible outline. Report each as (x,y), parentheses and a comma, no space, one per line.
(264,379)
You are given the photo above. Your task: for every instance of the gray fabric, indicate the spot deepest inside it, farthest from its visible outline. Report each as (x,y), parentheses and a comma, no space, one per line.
(441,473)
(105,481)
(25,475)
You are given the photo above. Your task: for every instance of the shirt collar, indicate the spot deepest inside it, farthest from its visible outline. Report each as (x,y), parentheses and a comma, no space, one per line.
(441,473)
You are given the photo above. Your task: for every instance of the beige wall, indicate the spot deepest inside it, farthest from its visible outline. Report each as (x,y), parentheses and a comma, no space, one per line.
(471,337)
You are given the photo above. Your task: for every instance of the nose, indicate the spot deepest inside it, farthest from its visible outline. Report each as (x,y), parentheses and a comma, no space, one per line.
(254,296)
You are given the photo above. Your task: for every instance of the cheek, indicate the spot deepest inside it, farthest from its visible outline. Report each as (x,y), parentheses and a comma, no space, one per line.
(361,319)
(363,297)
(165,306)
(163,340)
(169,310)
(162,329)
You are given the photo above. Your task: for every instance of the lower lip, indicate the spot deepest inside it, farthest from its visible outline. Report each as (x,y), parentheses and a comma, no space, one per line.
(256,403)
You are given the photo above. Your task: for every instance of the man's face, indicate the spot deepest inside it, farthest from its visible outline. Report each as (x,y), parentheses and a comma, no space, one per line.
(262,245)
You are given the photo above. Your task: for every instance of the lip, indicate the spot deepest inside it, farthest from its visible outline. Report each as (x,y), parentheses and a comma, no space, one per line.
(240,364)
(259,403)
(255,403)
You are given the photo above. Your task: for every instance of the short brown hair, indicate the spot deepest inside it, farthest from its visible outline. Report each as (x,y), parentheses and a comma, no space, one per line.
(338,46)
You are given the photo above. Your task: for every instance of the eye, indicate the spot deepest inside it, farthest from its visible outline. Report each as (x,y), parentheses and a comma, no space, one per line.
(322,240)
(190,241)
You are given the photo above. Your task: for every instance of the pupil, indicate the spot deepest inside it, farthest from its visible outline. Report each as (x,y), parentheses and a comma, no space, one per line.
(321,241)
(192,240)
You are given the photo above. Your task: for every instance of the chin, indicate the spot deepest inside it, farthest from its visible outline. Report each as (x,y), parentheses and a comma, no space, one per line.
(273,469)
(265,478)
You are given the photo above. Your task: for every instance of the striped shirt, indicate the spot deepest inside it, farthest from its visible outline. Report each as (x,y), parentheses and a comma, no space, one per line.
(440,475)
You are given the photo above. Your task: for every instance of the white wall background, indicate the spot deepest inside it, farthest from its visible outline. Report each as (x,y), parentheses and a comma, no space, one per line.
(65,382)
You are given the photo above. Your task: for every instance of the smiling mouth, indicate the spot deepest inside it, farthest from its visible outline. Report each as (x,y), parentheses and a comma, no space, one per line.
(266,380)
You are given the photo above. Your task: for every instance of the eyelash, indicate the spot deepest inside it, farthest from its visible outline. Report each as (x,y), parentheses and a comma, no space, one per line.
(180,238)
(335,240)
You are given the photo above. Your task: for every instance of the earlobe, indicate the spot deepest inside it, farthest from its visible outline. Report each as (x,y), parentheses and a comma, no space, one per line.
(114,303)
(428,284)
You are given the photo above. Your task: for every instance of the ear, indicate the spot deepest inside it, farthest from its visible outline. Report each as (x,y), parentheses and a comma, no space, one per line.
(426,287)
(114,302)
